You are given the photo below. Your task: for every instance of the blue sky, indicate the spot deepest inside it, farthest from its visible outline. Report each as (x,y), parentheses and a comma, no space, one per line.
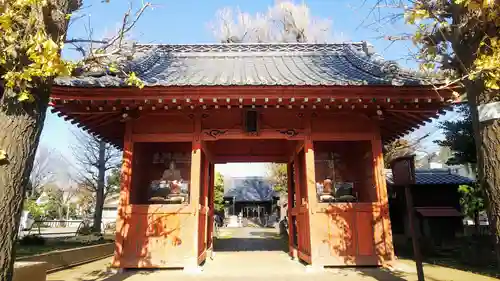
(186,21)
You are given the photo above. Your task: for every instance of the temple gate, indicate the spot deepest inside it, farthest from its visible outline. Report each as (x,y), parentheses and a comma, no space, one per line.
(324,109)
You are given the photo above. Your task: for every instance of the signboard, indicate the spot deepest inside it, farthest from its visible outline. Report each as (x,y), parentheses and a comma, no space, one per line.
(403,170)
(489,111)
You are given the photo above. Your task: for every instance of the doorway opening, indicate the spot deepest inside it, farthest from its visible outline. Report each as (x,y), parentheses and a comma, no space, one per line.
(249,215)
(249,193)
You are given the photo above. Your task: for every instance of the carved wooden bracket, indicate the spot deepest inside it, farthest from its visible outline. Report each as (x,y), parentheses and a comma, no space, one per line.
(215,133)
(289,132)
(131,114)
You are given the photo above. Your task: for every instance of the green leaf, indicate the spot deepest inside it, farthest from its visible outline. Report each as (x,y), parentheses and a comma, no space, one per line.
(24,96)
(113,68)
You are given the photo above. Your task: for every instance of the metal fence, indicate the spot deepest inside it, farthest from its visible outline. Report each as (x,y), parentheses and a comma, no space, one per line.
(470,230)
(64,227)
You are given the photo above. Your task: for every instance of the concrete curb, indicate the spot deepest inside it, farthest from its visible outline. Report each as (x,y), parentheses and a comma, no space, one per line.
(57,260)
(33,271)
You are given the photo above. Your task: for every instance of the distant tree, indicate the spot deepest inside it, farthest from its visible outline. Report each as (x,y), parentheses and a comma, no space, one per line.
(113,181)
(36,210)
(42,172)
(278,176)
(395,149)
(219,192)
(98,172)
(459,138)
(285,21)
(59,200)
(86,202)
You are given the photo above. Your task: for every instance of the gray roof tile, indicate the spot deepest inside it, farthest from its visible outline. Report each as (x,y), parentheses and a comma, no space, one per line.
(433,177)
(248,189)
(255,64)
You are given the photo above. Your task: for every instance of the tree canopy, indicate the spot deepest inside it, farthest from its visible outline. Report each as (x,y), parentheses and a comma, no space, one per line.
(395,149)
(219,192)
(459,138)
(285,21)
(33,36)
(278,176)
(462,37)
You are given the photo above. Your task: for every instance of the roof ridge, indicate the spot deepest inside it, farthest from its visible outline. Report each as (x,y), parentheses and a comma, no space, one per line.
(252,47)
(252,44)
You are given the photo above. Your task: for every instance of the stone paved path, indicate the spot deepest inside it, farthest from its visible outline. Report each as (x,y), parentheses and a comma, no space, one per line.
(240,256)
(249,239)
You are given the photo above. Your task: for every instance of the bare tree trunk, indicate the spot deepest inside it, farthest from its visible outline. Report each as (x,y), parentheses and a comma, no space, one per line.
(60,213)
(100,187)
(67,212)
(477,227)
(487,138)
(20,128)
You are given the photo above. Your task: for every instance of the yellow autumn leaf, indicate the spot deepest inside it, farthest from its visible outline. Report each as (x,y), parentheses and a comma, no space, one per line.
(473,5)
(5,22)
(3,155)
(25,96)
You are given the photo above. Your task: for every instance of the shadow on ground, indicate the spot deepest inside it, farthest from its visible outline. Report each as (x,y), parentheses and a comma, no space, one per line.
(110,275)
(473,254)
(380,274)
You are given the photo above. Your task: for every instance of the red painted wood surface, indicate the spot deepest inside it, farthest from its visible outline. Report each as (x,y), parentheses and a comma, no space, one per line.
(304,249)
(354,234)
(211,210)
(203,212)
(340,234)
(148,239)
(290,203)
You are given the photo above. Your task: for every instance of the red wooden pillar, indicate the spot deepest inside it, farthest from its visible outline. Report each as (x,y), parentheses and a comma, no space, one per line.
(126,169)
(299,210)
(211,192)
(204,213)
(291,226)
(309,168)
(382,228)
(125,185)
(194,197)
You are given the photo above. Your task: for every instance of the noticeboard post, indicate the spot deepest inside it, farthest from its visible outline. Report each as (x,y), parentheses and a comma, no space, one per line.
(403,174)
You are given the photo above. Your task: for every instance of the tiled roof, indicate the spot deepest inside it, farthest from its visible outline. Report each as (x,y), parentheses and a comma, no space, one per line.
(438,212)
(434,176)
(248,189)
(288,64)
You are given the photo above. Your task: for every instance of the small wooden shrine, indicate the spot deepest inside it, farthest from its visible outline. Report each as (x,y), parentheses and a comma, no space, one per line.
(325,109)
